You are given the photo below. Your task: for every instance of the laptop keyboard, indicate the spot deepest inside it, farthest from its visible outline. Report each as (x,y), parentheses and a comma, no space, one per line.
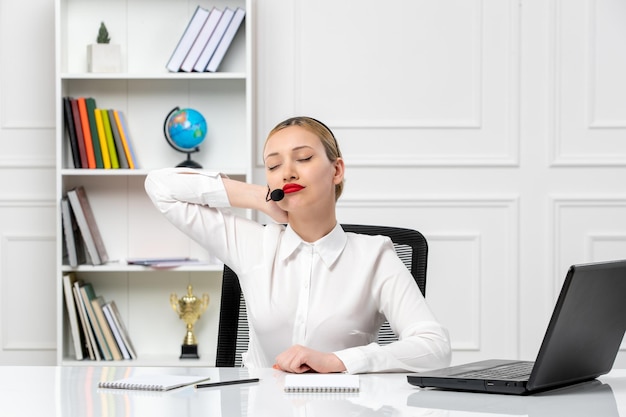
(516,370)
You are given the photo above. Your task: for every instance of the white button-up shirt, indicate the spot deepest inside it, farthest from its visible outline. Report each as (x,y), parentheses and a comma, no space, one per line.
(331,295)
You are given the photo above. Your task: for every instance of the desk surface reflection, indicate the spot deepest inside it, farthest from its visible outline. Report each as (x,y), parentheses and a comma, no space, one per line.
(74,392)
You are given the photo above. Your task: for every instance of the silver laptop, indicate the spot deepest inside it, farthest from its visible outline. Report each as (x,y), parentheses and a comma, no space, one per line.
(580,344)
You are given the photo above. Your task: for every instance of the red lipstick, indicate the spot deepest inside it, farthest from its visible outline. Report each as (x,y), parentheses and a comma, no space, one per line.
(292,188)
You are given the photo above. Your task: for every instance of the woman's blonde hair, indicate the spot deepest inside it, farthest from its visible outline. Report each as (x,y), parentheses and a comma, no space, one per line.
(324,134)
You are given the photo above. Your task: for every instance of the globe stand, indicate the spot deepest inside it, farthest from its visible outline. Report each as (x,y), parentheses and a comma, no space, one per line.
(187,163)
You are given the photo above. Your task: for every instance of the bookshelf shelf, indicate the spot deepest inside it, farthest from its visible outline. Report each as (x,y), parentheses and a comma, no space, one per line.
(71,172)
(157,76)
(131,227)
(122,267)
(146,360)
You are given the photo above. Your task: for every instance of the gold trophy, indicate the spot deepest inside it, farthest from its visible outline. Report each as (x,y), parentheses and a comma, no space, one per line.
(189,308)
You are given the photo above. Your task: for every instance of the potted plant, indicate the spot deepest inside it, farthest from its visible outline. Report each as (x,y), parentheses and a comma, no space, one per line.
(103,56)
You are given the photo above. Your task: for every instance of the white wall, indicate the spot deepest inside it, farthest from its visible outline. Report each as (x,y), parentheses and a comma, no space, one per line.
(494,127)
(491,126)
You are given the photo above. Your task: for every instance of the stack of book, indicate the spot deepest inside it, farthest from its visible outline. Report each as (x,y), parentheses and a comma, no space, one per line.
(98,331)
(99,138)
(206,39)
(83,242)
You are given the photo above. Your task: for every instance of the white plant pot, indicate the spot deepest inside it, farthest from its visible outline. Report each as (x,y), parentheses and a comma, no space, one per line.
(104,57)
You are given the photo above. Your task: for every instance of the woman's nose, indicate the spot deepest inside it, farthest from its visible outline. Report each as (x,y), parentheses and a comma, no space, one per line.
(289,171)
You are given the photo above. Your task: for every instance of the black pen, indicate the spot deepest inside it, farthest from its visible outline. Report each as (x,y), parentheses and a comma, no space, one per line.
(233,382)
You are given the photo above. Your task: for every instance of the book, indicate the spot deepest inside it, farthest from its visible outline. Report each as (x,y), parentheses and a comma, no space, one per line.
(162,382)
(117,138)
(90,102)
(84,122)
(128,137)
(122,129)
(78,129)
(87,225)
(190,34)
(72,314)
(156,261)
(214,40)
(87,294)
(90,338)
(226,40)
(106,123)
(119,330)
(201,40)
(71,235)
(106,159)
(97,303)
(324,383)
(68,120)
(165,263)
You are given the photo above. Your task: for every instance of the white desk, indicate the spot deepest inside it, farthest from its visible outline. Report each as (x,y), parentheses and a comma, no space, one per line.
(73,392)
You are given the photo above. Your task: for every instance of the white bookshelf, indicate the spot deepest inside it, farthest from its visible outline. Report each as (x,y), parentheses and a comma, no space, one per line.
(145,92)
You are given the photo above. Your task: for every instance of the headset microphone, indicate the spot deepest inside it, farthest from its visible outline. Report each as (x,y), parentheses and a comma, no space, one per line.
(277,195)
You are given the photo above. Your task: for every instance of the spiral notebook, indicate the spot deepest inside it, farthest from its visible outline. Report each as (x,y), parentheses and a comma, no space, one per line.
(153,382)
(324,383)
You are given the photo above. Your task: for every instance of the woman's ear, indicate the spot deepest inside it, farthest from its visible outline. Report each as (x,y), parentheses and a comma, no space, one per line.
(340,169)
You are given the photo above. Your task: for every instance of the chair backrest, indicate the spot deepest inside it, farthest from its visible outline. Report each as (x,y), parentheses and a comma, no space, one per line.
(410,245)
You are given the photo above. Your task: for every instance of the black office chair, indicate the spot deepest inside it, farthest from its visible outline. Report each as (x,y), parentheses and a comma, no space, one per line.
(232,340)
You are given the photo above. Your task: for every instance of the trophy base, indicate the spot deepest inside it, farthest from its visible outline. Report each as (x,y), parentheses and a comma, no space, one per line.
(189,352)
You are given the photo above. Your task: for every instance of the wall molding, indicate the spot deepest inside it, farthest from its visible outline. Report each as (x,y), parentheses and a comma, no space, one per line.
(510,204)
(557,203)
(28,162)
(9,344)
(587,157)
(475,275)
(510,134)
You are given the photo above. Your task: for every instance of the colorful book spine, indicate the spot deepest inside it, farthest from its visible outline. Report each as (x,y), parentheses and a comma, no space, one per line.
(109,338)
(79,134)
(125,138)
(84,122)
(87,292)
(95,137)
(119,147)
(68,120)
(110,141)
(106,159)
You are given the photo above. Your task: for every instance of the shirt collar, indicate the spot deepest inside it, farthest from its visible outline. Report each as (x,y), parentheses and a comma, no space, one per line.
(328,247)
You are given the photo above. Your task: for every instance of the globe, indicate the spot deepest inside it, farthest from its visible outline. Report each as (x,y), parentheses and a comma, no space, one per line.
(185,129)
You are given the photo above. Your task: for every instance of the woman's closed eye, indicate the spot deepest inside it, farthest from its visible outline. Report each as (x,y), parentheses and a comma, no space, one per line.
(272,167)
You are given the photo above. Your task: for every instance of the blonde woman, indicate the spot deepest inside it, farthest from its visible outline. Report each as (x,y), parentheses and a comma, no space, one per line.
(315,295)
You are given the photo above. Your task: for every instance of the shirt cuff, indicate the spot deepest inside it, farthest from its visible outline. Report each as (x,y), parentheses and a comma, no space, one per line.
(217,196)
(207,186)
(354,359)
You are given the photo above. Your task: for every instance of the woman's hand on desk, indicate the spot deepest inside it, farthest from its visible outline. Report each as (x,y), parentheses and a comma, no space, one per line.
(299,359)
